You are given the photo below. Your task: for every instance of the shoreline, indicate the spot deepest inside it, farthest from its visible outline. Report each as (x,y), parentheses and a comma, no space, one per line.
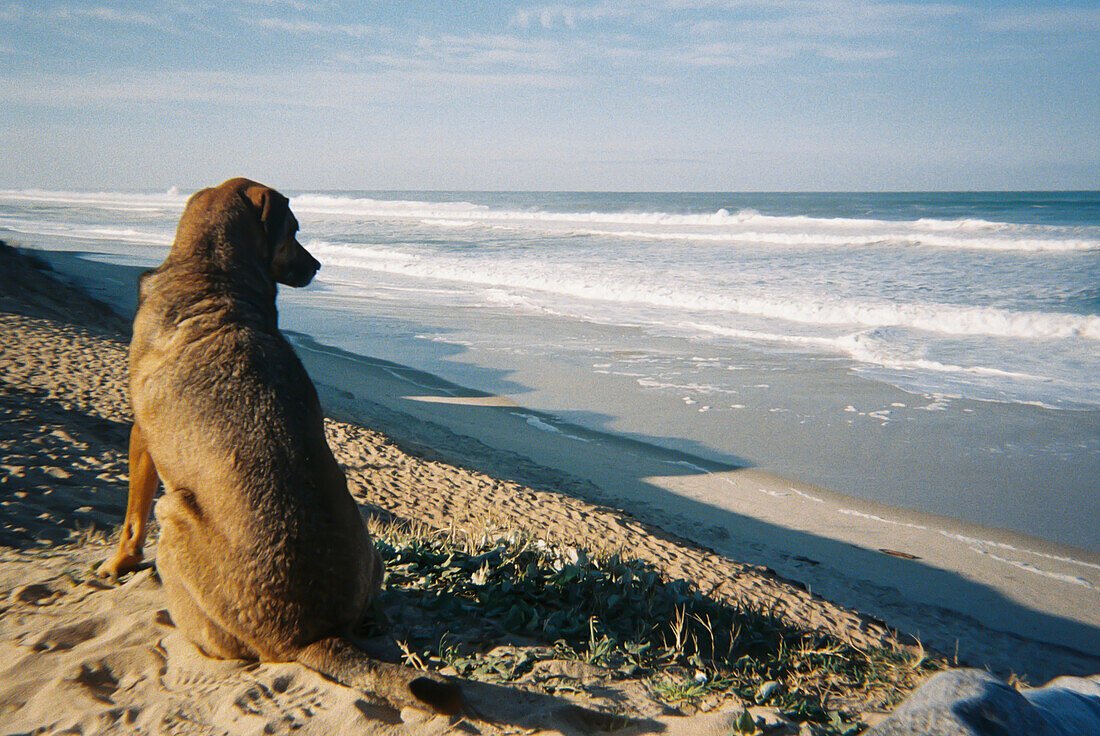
(951,597)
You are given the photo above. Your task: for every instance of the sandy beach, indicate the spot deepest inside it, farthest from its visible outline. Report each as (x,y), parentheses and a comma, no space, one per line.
(78,653)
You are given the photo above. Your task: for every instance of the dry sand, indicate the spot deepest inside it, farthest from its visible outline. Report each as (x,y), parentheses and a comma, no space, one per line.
(79,655)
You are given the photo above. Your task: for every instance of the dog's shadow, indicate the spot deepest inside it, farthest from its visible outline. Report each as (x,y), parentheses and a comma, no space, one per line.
(515,706)
(510,706)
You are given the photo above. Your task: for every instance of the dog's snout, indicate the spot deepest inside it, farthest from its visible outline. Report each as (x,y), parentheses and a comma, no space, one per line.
(293,265)
(312,265)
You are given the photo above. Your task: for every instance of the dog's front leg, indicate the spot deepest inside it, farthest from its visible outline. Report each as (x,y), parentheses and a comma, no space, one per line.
(143,485)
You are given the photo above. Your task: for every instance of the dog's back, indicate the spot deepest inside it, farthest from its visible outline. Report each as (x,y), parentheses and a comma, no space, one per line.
(235,429)
(262,553)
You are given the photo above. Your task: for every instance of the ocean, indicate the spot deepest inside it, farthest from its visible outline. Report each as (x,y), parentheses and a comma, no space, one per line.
(938,352)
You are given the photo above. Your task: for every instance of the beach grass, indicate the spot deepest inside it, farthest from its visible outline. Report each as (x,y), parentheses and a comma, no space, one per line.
(494,605)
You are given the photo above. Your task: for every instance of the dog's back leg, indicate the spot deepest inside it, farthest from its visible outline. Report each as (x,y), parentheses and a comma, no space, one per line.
(143,486)
(340,660)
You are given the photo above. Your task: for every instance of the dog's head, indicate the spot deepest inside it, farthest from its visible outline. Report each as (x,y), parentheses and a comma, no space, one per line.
(244,226)
(288,262)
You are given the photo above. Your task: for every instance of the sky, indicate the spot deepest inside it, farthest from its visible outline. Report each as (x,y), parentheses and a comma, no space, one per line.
(637,95)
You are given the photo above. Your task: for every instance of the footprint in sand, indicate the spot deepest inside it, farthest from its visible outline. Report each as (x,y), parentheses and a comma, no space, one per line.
(66,637)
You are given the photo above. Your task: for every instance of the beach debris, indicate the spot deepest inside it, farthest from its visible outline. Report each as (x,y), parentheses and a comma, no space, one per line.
(767,690)
(899,554)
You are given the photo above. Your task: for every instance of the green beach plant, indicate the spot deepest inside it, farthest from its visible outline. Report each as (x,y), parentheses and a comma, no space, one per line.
(492,605)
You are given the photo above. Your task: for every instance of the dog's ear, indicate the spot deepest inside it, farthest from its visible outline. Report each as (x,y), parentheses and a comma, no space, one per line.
(272,208)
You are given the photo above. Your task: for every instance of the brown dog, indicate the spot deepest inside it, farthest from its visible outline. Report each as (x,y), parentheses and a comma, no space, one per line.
(262,553)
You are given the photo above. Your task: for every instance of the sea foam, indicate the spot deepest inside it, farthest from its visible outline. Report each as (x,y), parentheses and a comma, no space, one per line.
(611,285)
(746,226)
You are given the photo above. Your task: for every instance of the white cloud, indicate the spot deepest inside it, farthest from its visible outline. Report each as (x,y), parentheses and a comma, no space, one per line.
(570,16)
(317,28)
(482,50)
(1056,20)
(298,5)
(19,13)
(725,54)
(741,33)
(476,60)
(62,90)
(116,16)
(302,89)
(854,54)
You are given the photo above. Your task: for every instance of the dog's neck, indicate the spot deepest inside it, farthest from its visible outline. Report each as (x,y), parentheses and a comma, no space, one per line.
(189,284)
(228,248)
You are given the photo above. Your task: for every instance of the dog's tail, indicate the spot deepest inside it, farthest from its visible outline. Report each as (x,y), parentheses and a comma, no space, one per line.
(341,661)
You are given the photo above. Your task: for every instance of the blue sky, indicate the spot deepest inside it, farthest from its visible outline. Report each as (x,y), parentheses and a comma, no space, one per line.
(621,95)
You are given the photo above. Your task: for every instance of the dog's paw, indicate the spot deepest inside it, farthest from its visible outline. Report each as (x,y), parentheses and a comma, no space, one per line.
(119,565)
